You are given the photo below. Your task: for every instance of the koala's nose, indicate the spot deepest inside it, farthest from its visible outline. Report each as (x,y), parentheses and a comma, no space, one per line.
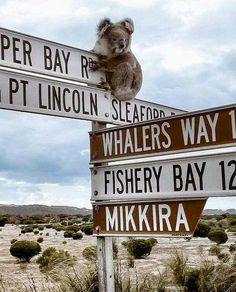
(121,44)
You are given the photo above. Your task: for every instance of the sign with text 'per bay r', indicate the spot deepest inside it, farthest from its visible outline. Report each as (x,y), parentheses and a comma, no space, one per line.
(38,95)
(191,131)
(206,176)
(175,218)
(33,54)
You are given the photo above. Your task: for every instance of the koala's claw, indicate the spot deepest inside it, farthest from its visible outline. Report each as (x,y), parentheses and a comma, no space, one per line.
(104,85)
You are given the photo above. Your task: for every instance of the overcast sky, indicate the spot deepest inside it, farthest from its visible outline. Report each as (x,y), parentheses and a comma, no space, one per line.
(187,50)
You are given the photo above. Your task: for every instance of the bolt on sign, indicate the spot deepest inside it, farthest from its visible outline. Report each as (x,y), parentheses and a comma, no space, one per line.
(33,54)
(188,132)
(205,176)
(174,218)
(38,95)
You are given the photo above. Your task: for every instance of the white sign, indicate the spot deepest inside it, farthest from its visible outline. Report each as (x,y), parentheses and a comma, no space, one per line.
(37,95)
(206,176)
(33,54)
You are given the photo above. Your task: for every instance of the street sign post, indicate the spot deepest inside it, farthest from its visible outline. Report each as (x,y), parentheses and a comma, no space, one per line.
(155,218)
(206,129)
(202,176)
(33,54)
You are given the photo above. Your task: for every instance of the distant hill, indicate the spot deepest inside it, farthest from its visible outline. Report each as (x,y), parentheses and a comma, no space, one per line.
(218,211)
(29,210)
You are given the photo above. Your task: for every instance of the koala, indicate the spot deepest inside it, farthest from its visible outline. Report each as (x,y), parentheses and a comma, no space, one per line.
(123,71)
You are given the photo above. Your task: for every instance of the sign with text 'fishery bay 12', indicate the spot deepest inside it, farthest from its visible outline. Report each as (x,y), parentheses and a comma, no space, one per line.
(33,54)
(205,129)
(174,218)
(189,177)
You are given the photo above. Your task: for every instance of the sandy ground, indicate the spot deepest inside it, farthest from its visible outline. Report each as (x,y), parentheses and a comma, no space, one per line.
(14,274)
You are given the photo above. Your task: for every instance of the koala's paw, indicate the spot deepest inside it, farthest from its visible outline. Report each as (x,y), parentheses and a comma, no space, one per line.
(95,65)
(104,85)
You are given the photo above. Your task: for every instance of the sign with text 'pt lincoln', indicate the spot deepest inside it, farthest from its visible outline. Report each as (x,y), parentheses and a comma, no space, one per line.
(203,129)
(175,218)
(33,54)
(206,176)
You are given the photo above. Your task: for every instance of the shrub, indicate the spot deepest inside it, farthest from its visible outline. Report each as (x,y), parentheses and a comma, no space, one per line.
(139,248)
(40,240)
(74,228)
(41,228)
(192,279)
(25,249)
(27,229)
(202,230)
(178,267)
(68,234)
(64,242)
(232,247)
(90,253)
(224,257)
(48,226)
(218,235)
(36,232)
(77,235)
(47,234)
(3,221)
(215,250)
(51,257)
(13,240)
(87,229)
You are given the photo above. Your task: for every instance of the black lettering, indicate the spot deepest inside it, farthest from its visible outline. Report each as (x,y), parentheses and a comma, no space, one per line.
(66,59)
(56,98)
(155,113)
(13,88)
(113,181)
(162,114)
(137,179)
(177,175)
(47,58)
(84,66)
(40,97)
(57,62)
(190,179)
(147,174)
(106,173)
(142,108)
(93,104)
(5,45)
(120,111)
(135,117)
(157,176)
(121,189)
(232,184)
(15,50)
(27,48)
(149,113)
(76,97)
(127,105)
(83,105)
(129,180)
(67,109)
(24,82)
(200,174)
(114,103)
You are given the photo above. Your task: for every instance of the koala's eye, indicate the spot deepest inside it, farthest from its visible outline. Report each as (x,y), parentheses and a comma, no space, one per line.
(114,39)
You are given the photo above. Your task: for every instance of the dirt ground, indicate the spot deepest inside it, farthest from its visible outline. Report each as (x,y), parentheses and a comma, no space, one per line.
(13,273)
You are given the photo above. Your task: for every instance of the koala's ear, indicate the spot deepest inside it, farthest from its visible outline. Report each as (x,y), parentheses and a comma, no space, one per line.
(102,26)
(128,24)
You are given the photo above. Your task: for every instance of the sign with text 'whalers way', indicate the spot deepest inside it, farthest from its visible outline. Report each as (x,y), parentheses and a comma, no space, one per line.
(191,131)
(175,218)
(37,95)
(206,176)
(33,54)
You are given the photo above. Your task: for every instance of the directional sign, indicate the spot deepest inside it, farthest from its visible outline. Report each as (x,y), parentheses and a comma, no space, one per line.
(206,176)
(203,129)
(30,53)
(175,218)
(36,95)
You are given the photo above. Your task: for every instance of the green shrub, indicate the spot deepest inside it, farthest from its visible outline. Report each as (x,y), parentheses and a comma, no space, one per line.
(3,221)
(64,242)
(77,235)
(224,257)
(48,226)
(27,229)
(36,232)
(68,234)
(87,229)
(13,240)
(178,266)
(192,279)
(139,248)
(24,250)
(41,228)
(40,240)
(74,228)
(90,253)
(47,234)
(202,230)
(218,235)
(215,250)
(232,247)
(51,257)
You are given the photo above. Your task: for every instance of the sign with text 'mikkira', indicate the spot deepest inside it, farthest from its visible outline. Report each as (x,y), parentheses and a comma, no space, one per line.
(205,129)
(157,218)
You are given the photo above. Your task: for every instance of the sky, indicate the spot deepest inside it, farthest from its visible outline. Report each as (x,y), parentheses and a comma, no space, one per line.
(187,50)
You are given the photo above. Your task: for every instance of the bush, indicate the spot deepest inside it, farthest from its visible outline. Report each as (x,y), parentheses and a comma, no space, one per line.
(27,229)
(218,235)
(77,235)
(202,230)
(90,253)
(41,228)
(68,234)
(224,257)
(51,257)
(74,228)
(232,248)
(87,229)
(24,250)
(36,232)
(178,267)
(215,250)
(3,221)
(40,240)
(139,248)
(13,240)
(192,279)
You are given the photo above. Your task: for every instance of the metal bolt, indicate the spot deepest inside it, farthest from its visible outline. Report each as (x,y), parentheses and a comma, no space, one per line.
(106,115)
(95,193)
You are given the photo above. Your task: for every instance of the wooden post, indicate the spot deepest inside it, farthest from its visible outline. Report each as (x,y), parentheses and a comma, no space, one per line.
(104,249)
